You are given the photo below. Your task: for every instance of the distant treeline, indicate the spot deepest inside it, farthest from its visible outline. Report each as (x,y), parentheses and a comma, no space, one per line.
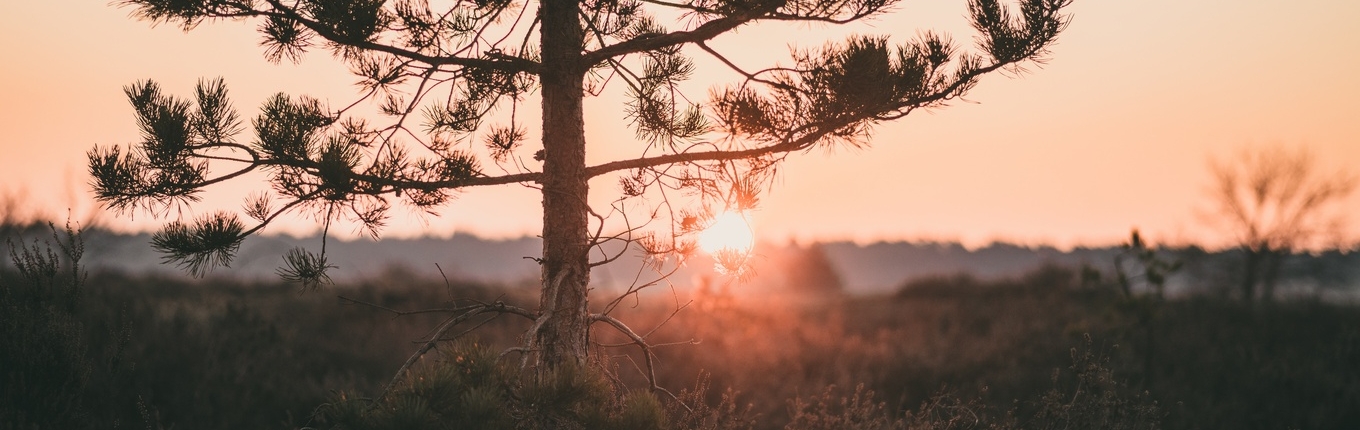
(863,269)
(869,268)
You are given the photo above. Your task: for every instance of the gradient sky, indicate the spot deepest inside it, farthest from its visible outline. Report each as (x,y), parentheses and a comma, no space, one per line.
(1113,133)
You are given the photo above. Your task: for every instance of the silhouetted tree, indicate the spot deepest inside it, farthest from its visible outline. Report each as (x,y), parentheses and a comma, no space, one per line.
(450,82)
(808,270)
(1273,200)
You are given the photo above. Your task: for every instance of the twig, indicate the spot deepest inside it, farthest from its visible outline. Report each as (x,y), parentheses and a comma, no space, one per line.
(647,354)
(497,307)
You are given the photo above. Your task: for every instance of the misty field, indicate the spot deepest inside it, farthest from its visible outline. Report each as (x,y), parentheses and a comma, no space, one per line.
(1040,351)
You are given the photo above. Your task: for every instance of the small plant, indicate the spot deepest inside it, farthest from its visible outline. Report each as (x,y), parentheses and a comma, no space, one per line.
(1094,400)
(691,410)
(48,369)
(1152,269)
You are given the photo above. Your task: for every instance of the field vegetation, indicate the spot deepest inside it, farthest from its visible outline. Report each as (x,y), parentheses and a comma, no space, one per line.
(1052,349)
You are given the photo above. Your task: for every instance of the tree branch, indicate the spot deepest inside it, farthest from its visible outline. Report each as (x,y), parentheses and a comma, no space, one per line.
(458,183)
(816,132)
(506,63)
(641,343)
(497,307)
(705,31)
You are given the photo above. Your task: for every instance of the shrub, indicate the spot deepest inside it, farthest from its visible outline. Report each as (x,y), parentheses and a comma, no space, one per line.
(50,375)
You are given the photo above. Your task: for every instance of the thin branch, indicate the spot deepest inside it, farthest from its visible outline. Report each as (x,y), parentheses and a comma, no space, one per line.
(750,77)
(504,63)
(705,31)
(452,183)
(641,342)
(813,133)
(434,340)
(498,307)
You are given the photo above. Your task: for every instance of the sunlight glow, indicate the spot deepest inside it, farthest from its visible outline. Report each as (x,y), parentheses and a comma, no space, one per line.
(729,233)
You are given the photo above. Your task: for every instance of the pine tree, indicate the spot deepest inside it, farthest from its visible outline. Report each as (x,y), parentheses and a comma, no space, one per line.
(443,74)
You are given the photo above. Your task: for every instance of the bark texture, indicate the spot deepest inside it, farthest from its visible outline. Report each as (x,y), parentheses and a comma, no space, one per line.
(562,330)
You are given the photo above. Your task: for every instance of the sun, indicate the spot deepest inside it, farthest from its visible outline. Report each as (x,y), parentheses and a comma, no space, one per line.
(728,233)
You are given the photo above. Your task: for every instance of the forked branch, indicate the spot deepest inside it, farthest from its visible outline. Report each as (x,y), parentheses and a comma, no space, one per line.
(641,342)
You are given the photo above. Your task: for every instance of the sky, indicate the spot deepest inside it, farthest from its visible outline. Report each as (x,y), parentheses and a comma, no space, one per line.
(1113,133)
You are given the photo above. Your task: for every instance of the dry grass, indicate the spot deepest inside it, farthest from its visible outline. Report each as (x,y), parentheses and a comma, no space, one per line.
(228,355)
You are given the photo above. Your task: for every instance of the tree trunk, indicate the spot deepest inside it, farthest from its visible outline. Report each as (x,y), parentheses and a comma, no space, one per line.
(561,333)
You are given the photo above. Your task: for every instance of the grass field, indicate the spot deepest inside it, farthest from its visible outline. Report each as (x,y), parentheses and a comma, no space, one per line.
(1010,354)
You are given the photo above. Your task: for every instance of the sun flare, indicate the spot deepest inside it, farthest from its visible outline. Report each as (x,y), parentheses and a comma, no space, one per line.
(729,232)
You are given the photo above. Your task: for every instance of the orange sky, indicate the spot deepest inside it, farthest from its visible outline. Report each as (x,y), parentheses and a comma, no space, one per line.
(1112,134)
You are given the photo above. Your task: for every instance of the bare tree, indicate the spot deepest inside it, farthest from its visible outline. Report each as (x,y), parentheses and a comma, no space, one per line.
(450,81)
(1274,200)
